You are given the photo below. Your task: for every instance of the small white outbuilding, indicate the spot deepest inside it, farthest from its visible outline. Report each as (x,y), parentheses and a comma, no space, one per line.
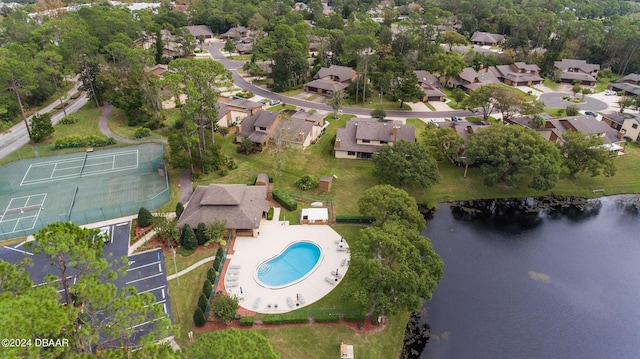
(314,216)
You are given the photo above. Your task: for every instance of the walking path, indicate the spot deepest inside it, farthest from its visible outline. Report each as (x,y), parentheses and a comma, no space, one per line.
(192,267)
(104,128)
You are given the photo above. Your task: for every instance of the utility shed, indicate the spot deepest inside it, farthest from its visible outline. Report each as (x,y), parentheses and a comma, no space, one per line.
(314,216)
(325,183)
(346,351)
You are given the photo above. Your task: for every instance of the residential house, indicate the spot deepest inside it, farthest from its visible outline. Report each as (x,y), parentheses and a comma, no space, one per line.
(554,128)
(302,130)
(200,30)
(360,139)
(159,70)
(577,70)
(629,85)
(625,123)
(237,33)
(518,74)
(331,79)
(486,38)
(239,108)
(470,79)
(172,48)
(430,86)
(244,48)
(180,7)
(224,115)
(239,205)
(464,128)
(258,128)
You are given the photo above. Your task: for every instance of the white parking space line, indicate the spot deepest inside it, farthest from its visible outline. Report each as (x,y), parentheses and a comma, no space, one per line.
(144,265)
(144,278)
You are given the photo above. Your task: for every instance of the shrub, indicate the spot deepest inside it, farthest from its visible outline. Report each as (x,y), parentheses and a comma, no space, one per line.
(206,288)
(327,318)
(306,182)
(185,252)
(75,95)
(189,238)
(355,219)
(198,317)
(270,213)
(144,217)
(285,318)
(246,146)
(179,209)
(225,307)
(354,317)
(223,172)
(572,110)
(284,199)
(223,131)
(41,127)
(78,141)
(201,234)
(247,321)
(231,164)
(141,132)
(196,176)
(202,302)
(219,253)
(70,119)
(211,275)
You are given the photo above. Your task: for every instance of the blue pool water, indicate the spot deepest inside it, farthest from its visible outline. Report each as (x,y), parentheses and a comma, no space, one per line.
(290,266)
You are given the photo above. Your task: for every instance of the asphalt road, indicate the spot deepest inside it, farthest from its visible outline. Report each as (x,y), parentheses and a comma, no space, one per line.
(240,81)
(17,136)
(554,99)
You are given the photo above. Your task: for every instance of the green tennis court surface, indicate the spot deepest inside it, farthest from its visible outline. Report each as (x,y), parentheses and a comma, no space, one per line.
(81,187)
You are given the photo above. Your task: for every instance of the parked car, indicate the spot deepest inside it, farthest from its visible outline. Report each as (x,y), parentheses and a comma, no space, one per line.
(591,113)
(609,93)
(456,118)
(274,102)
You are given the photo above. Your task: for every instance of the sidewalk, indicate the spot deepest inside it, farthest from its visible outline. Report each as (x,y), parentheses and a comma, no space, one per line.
(191,267)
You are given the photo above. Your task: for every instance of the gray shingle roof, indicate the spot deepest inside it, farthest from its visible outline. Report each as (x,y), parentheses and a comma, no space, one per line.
(197,30)
(342,72)
(244,103)
(327,85)
(371,130)
(630,77)
(486,37)
(241,206)
(619,117)
(582,65)
(580,76)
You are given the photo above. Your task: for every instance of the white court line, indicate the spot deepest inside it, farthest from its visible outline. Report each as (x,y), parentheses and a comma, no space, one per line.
(113,162)
(144,278)
(33,224)
(94,173)
(55,165)
(19,250)
(144,265)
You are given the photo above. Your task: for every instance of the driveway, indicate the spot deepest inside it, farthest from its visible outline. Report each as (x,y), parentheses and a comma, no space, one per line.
(554,99)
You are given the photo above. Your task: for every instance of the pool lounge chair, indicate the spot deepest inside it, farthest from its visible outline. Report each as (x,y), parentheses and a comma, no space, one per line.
(233,272)
(341,249)
(232,279)
(256,304)
(337,274)
(300,299)
(290,302)
(330,280)
(343,262)
(231,285)
(234,266)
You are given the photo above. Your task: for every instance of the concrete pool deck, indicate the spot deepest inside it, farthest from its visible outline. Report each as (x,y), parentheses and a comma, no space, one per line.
(273,238)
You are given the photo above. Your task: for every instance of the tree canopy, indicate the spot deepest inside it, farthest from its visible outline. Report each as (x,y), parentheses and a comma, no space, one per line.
(405,164)
(582,153)
(388,203)
(513,155)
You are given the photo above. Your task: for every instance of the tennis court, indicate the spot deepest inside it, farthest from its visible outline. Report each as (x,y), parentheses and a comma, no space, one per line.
(82,188)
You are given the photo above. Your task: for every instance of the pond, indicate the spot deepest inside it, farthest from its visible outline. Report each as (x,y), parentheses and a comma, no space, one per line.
(521,282)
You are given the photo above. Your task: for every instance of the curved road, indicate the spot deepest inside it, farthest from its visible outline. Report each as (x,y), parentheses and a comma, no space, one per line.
(554,99)
(240,81)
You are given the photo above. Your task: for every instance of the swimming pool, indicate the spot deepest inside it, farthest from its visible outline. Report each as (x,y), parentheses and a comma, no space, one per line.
(290,266)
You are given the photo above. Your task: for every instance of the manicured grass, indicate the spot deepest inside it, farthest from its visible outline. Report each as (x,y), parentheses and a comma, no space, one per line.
(87,125)
(419,125)
(324,341)
(452,103)
(373,102)
(312,97)
(554,111)
(184,292)
(430,106)
(239,57)
(183,262)
(550,84)
(603,82)
(281,107)
(292,93)
(118,123)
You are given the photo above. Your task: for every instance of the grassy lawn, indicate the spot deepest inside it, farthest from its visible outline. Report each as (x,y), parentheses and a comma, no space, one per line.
(184,292)
(452,103)
(374,102)
(324,341)
(87,125)
(554,111)
(292,93)
(430,106)
(550,84)
(312,97)
(603,82)
(118,123)
(281,107)
(183,262)
(239,57)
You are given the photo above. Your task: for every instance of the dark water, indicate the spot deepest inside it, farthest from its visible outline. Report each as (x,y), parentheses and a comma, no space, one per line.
(562,283)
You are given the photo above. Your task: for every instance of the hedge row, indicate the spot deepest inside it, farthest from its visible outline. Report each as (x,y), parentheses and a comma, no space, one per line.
(354,317)
(285,199)
(79,141)
(285,319)
(270,213)
(247,321)
(355,219)
(327,318)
